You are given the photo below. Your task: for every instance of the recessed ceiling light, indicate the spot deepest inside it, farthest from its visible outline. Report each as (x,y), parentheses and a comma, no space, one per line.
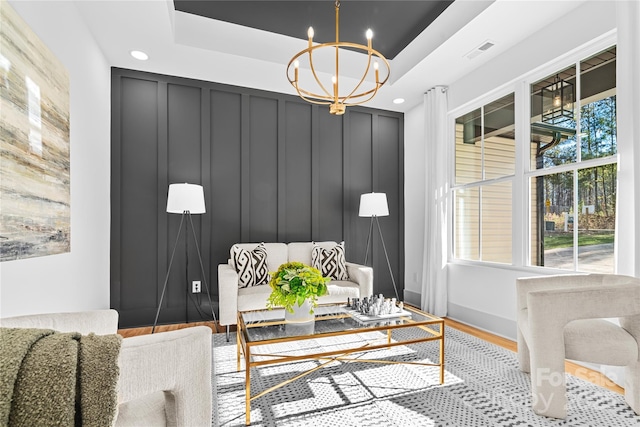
(398,100)
(138,54)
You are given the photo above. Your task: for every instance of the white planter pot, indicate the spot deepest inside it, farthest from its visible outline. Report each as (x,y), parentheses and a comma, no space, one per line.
(300,313)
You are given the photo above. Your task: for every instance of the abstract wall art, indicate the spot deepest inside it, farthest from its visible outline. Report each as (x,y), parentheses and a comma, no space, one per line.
(35,209)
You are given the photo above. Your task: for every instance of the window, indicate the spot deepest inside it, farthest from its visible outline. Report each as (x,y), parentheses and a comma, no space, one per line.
(573,166)
(569,165)
(484,171)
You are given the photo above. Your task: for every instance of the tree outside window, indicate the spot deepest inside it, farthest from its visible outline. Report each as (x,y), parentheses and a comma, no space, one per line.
(574,167)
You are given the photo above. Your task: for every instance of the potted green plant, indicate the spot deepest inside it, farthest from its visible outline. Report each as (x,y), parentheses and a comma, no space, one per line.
(296,285)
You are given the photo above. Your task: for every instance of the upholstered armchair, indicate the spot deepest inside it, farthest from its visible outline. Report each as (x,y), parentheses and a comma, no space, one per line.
(165,378)
(564,317)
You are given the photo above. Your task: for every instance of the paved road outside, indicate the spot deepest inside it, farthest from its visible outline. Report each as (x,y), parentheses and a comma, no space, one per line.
(592,258)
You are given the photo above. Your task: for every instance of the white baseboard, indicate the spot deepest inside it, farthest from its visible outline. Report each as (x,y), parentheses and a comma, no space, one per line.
(412,298)
(488,322)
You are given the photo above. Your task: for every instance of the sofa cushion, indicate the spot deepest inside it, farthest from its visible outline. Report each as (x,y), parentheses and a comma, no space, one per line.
(251,265)
(339,291)
(300,251)
(592,340)
(254,298)
(149,410)
(331,262)
(599,341)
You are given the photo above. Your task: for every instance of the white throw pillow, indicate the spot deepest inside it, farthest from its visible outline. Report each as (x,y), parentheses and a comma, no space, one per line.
(251,265)
(330,262)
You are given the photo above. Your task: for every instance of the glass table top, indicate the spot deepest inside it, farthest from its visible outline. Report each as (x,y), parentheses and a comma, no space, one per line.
(330,319)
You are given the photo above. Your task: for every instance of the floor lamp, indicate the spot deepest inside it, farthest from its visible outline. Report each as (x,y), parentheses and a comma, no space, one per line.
(374,205)
(185,199)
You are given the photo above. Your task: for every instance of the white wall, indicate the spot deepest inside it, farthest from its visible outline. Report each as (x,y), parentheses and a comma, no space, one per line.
(537,51)
(414,190)
(482,294)
(78,280)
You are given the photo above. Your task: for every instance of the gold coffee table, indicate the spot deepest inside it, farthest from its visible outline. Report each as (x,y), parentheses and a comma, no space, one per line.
(266,327)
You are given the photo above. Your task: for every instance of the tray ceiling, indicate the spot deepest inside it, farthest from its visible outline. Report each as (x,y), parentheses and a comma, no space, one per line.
(394,23)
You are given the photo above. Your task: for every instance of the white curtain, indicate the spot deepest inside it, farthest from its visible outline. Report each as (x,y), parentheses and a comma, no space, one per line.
(628,110)
(434,270)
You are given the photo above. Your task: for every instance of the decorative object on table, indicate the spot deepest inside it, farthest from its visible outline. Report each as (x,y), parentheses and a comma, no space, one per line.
(35,218)
(300,312)
(185,199)
(296,285)
(333,93)
(374,205)
(375,307)
(299,327)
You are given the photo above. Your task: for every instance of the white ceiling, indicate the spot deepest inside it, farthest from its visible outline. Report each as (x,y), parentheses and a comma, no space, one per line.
(190,46)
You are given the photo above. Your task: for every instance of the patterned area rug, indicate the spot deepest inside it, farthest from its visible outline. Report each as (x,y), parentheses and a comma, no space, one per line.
(483,387)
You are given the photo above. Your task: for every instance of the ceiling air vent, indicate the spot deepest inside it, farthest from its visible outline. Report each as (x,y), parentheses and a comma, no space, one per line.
(485,46)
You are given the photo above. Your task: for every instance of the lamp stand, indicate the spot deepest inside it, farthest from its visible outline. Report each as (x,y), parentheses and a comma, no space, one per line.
(366,255)
(204,278)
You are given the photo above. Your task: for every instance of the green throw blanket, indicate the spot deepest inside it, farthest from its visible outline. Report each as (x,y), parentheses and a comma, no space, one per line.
(49,378)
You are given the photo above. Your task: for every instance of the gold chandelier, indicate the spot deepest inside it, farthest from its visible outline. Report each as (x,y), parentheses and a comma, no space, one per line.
(337,98)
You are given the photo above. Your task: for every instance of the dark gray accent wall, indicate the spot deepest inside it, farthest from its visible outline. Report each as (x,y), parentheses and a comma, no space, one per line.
(274,168)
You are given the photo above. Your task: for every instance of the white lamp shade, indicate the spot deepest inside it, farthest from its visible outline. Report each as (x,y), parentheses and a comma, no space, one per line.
(373,204)
(185,197)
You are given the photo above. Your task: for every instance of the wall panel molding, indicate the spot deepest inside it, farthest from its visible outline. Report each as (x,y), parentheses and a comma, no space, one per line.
(273,167)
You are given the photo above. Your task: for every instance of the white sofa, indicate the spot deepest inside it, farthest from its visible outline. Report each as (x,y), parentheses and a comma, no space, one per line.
(165,378)
(234,299)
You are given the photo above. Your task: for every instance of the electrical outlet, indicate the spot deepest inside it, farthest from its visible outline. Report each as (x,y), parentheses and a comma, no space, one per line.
(195,286)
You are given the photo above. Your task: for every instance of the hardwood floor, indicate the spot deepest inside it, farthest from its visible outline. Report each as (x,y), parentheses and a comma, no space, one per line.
(572,368)
(134,332)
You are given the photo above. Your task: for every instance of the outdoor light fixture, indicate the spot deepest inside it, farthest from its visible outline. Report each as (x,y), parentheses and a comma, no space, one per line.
(557,101)
(310,86)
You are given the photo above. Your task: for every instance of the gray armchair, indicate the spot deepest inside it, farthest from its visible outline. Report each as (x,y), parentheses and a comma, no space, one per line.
(564,317)
(165,378)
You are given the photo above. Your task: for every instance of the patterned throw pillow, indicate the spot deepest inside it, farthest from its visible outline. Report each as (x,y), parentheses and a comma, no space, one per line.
(331,262)
(251,265)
